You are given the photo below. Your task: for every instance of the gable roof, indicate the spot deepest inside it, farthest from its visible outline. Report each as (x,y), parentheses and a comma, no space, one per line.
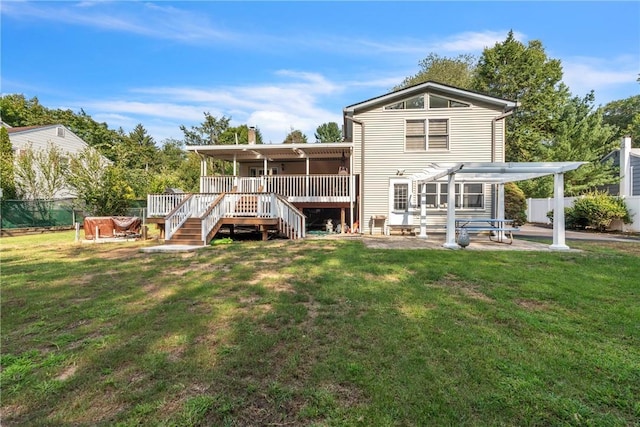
(13,130)
(506,104)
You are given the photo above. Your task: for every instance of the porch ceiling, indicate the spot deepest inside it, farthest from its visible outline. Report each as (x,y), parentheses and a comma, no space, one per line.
(274,152)
(493,172)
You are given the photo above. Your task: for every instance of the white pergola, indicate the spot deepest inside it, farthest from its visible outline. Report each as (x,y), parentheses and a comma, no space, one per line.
(499,174)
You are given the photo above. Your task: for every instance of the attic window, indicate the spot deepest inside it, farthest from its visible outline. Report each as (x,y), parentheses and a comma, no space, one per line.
(439,102)
(415,103)
(60,131)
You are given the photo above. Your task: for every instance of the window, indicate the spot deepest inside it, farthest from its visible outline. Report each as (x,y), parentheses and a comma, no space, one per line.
(400,197)
(440,102)
(415,135)
(472,196)
(60,131)
(415,103)
(438,134)
(255,172)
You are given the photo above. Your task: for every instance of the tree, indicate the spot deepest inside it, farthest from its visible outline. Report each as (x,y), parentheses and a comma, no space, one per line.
(328,132)
(7,173)
(208,132)
(456,71)
(578,134)
(525,74)
(239,134)
(137,150)
(295,137)
(624,115)
(101,188)
(40,174)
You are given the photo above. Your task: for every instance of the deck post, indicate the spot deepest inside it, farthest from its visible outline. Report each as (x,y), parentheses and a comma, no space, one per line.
(342,220)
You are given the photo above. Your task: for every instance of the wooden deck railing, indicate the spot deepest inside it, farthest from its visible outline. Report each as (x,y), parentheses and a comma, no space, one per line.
(296,188)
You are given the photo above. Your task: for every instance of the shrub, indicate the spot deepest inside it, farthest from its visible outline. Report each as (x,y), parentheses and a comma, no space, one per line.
(515,203)
(595,210)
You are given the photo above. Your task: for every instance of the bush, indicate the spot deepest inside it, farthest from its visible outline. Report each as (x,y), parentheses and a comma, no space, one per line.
(515,204)
(595,210)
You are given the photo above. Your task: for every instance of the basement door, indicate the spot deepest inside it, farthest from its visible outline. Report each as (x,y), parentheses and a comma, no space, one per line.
(400,194)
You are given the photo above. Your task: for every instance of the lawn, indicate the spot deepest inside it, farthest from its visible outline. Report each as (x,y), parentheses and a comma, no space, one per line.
(317,332)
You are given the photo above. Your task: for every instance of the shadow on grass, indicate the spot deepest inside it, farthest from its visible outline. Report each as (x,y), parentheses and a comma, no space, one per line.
(323,332)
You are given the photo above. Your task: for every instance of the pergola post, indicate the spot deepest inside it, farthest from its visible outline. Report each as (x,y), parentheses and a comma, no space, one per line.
(500,208)
(558,214)
(423,212)
(450,242)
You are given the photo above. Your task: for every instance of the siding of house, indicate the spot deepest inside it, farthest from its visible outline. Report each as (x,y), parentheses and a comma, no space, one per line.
(469,140)
(40,137)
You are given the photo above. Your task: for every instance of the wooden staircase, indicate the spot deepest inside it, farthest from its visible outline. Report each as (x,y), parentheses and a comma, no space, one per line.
(189,234)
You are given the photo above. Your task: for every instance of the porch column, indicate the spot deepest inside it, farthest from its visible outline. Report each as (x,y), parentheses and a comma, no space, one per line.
(307,178)
(235,164)
(203,174)
(264,174)
(500,209)
(423,211)
(450,242)
(558,214)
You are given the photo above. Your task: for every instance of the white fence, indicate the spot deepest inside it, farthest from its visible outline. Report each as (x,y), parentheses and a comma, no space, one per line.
(537,211)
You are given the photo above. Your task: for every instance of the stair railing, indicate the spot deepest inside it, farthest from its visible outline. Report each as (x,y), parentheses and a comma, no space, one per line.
(177,217)
(292,221)
(212,216)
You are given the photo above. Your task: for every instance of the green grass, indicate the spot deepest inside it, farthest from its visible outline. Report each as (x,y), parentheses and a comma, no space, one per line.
(317,332)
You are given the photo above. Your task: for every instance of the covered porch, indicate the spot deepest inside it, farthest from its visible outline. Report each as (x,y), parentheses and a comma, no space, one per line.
(312,175)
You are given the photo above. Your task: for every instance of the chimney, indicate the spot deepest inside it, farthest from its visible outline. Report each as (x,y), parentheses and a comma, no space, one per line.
(625,176)
(252,135)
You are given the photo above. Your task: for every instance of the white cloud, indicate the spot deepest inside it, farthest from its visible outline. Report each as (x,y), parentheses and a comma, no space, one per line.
(274,107)
(148,19)
(610,79)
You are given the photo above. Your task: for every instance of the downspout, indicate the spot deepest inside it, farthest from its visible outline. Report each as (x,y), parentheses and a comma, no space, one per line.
(494,210)
(361,210)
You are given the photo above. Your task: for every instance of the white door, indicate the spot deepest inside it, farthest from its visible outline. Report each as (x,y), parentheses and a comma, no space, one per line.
(400,190)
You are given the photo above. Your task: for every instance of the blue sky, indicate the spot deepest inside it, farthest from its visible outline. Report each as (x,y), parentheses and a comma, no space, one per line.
(283,65)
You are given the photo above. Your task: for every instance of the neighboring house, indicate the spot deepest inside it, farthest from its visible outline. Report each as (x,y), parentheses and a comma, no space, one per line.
(39,137)
(365,181)
(627,159)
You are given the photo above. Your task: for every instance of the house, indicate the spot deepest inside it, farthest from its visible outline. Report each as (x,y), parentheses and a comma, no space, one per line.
(39,138)
(627,159)
(366,182)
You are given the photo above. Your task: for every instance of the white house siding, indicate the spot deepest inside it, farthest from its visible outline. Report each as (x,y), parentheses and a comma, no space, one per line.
(469,140)
(40,137)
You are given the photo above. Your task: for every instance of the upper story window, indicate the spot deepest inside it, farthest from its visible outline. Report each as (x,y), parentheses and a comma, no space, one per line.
(60,131)
(438,134)
(440,102)
(418,139)
(415,103)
